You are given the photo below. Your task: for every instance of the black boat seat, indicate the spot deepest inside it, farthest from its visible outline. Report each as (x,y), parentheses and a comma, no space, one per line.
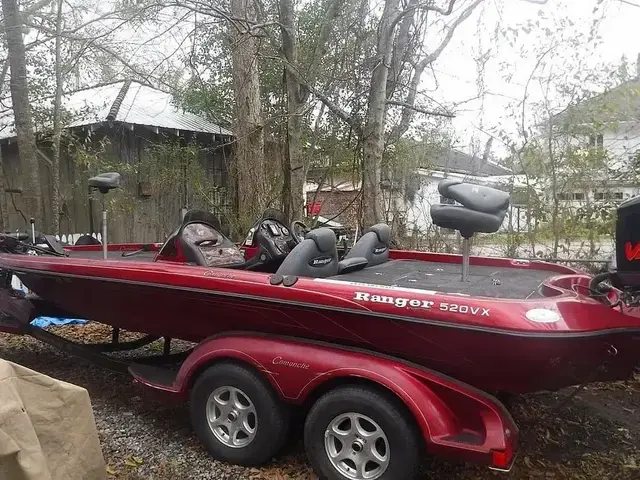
(105,181)
(373,245)
(482,208)
(475,197)
(316,256)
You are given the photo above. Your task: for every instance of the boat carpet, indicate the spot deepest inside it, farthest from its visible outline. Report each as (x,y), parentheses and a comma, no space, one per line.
(496,282)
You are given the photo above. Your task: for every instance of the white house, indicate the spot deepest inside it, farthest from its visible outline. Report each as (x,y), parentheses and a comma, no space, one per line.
(338,201)
(609,125)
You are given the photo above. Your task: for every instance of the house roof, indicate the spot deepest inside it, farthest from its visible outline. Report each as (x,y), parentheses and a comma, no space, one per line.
(127,102)
(459,162)
(618,104)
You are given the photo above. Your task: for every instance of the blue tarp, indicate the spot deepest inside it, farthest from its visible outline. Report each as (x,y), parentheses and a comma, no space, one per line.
(44,322)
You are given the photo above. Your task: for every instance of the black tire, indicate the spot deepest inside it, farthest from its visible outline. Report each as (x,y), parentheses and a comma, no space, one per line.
(272,416)
(399,427)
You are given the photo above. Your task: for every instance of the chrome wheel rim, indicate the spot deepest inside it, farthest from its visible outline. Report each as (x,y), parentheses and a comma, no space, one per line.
(232,417)
(356,446)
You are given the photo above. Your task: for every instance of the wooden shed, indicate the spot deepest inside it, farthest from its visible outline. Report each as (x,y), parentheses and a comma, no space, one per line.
(169,160)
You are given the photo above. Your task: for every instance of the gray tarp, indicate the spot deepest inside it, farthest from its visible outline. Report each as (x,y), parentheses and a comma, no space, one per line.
(47,428)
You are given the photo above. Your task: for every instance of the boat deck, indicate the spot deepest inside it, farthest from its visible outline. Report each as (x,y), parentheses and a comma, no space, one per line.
(496,282)
(513,283)
(114,255)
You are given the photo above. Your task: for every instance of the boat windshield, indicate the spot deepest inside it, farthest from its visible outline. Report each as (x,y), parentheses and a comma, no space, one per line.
(275,214)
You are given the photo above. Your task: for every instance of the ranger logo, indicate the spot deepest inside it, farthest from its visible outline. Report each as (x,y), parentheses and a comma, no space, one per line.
(403,302)
(320,261)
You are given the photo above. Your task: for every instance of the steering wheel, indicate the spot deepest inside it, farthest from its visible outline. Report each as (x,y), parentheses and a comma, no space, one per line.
(273,244)
(298,230)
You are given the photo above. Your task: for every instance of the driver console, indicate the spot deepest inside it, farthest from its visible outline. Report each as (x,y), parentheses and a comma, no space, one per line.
(316,256)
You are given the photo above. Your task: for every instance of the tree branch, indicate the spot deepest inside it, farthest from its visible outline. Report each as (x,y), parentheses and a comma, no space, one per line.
(432,57)
(423,6)
(421,110)
(331,13)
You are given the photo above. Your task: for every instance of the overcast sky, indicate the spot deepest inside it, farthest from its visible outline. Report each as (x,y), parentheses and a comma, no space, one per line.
(456,72)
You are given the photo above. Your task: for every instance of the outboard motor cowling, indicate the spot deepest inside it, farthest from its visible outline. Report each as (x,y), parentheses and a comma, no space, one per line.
(625,271)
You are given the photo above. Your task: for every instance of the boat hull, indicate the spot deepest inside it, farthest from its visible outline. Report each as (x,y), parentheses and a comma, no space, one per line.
(492,359)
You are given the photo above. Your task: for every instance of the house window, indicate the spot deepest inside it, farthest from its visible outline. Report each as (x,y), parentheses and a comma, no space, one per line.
(578,196)
(608,195)
(563,196)
(596,141)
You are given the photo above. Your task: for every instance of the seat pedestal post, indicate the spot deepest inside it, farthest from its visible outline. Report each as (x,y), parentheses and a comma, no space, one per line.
(466,252)
(105,252)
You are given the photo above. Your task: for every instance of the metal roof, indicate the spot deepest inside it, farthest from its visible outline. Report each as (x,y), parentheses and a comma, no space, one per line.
(456,161)
(140,105)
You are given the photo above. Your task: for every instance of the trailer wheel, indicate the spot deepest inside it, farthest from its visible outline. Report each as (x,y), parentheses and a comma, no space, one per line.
(360,433)
(237,415)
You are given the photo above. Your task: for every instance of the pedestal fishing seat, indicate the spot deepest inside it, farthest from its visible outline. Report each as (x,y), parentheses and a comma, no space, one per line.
(104,183)
(478,209)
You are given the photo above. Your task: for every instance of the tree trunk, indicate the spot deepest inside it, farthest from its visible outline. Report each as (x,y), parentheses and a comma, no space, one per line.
(554,192)
(4,208)
(22,110)
(57,130)
(374,123)
(297,95)
(294,171)
(249,165)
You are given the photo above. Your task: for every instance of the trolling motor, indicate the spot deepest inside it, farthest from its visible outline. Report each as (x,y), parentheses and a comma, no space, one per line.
(623,271)
(104,183)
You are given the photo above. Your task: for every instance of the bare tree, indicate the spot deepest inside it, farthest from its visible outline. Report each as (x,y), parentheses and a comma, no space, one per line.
(394,29)
(297,97)
(375,120)
(4,212)
(22,109)
(57,126)
(248,128)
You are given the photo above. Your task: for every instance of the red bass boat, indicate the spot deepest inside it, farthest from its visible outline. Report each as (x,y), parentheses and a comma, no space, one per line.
(510,326)
(493,324)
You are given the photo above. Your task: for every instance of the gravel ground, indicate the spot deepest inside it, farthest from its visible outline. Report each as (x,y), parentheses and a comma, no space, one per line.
(596,436)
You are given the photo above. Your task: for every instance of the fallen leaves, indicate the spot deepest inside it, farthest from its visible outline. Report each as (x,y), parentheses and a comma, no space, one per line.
(289,472)
(133,462)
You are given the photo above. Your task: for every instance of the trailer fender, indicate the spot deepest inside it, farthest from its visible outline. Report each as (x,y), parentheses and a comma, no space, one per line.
(450,415)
